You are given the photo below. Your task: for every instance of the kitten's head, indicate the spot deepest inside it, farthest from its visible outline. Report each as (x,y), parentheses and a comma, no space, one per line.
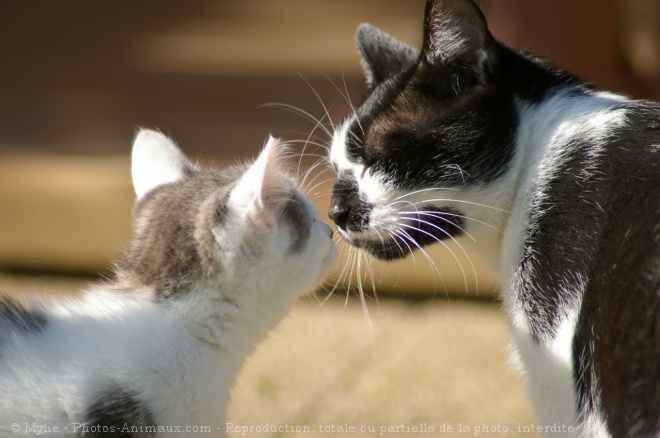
(238,230)
(434,128)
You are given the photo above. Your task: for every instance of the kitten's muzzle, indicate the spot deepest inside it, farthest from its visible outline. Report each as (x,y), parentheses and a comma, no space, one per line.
(327,229)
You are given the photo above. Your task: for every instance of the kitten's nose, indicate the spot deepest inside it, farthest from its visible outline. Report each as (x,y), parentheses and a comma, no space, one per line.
(339,214)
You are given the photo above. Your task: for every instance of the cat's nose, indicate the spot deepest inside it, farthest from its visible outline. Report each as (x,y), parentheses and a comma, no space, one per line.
(339,214)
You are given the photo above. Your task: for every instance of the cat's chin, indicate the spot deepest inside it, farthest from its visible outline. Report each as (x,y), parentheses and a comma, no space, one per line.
(387,250)
(431,226)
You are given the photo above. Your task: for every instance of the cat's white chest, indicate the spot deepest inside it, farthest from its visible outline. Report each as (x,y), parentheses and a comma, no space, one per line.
(546,363)
(548,368)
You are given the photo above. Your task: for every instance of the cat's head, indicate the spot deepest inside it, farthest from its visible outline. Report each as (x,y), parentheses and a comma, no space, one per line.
(238,230)
(433,131)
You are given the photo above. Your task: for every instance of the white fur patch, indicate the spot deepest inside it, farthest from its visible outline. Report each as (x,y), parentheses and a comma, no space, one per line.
(549,372)
(338,155)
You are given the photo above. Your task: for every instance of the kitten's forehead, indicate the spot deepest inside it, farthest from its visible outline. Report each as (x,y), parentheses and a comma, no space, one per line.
(181,196)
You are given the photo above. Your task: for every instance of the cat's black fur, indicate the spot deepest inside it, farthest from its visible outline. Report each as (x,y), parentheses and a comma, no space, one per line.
(118,413)
(459,119)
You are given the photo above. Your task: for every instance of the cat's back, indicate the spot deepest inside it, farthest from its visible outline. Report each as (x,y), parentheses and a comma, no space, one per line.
(58,361)
(621,304)
(635,144)
(629,178)
(599,183)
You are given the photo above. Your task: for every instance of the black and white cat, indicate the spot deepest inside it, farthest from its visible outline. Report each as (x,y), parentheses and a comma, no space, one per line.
(557,184)
(216,260)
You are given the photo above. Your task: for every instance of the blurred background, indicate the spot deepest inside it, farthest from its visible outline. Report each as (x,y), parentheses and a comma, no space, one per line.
(77,79)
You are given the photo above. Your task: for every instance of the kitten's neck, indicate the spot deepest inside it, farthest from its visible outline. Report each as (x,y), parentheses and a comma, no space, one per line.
(228,318)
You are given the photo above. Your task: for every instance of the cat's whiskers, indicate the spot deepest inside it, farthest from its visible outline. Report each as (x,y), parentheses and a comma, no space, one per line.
(356,268)
(450,200)
(318,124)
(352,271)
(319,170)
(296,110)
(309,142)
(350,103)
(435,214)
(355,254)
(414,216)
(314,171)
(323,105)
(320,159)
(426,203)
(447,247)
(462,216)
(447,200)
(418,191)
(362,294)
(453,239)
(398,235)
(348,264)
(346,95)
(306,183)
(405,237)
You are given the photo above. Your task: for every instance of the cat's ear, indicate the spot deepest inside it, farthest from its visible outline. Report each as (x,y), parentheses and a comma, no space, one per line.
(256,186)
(382,55)
(156,160)
(455,31)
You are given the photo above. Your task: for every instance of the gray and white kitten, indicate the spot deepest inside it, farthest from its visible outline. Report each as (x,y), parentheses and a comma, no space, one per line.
(216,259)
(555,184)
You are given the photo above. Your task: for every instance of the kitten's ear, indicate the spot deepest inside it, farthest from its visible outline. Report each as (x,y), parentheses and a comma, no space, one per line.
(382,55)
(455,31)
(156,160)
(256,185)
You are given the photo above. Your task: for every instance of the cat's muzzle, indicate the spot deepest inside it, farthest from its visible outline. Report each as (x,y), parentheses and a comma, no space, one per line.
(410,232)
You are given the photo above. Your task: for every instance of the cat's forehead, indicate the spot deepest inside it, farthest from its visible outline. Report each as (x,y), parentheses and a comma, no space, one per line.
(370,135)
(390,112)
(340,157)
